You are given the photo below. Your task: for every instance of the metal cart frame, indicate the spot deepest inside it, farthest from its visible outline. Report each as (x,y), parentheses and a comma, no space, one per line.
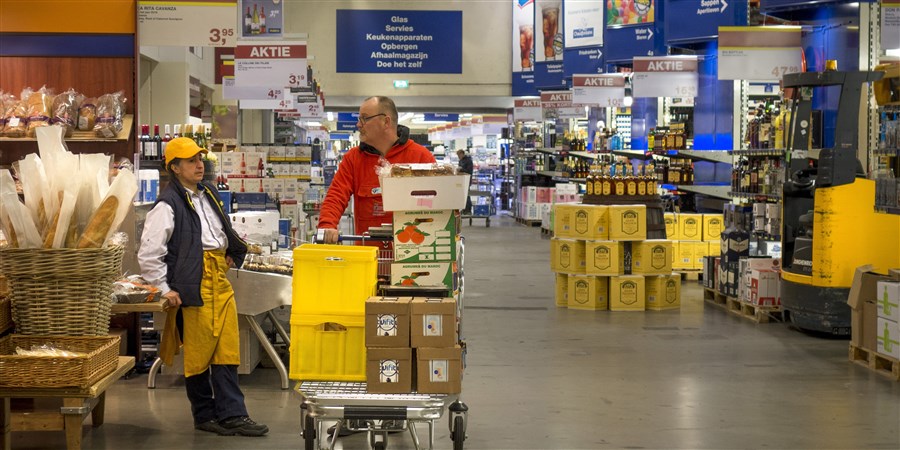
(378,414)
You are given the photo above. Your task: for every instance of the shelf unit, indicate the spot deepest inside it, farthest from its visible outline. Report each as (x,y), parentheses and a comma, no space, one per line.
(716,191)
(751,195)
(87,136)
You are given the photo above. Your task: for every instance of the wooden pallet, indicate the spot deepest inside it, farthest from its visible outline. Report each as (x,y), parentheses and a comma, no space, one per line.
(758,314)
(546,231)
(883,365)
(528,223)
(715,297)
(689,275)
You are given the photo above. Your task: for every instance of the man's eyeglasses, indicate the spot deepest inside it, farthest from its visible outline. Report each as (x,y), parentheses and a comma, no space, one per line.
(364,120)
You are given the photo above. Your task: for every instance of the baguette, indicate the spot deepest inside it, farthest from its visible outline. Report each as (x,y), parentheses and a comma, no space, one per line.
(98,227)
(71,233)
(51,231)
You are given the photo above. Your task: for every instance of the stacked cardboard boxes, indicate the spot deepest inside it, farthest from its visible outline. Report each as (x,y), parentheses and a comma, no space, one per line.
(734,246)
(694,236)
(413,346)
(887,329)
(760,281)
(603,260)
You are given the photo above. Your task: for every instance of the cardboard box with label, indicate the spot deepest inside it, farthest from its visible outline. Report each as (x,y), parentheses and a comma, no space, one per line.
(567,256)
(684,255)
(256,226)
(387,322)
(562,220)
(626,293)
(863,309)
(887,297)
(604,258)
(390,370)
(653,256)
(432,322)
(562,290)
(425,236)
(439,370)
(888,338)
(765,288)
(701,250)
(671,220)
(589,222)
(588,292)
(663,292)
(713,224)
(418,193)
(690,227)
(424,274)
(627,222)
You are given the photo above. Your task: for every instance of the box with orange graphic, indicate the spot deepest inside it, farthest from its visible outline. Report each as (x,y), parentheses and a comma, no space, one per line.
(425,236)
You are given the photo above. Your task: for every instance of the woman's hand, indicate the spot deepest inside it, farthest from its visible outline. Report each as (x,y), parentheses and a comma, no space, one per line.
(173,300)
(230,261)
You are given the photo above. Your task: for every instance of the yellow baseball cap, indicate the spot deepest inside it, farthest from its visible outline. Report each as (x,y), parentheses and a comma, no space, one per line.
(182,148)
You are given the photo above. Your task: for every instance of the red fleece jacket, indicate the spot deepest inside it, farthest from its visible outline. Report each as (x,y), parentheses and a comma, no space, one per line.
(356,176)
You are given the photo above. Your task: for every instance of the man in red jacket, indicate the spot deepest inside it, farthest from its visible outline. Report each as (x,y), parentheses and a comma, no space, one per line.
(380,137)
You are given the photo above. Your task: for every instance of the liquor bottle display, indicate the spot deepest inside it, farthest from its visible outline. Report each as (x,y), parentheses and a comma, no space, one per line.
(610,176)
(758,175)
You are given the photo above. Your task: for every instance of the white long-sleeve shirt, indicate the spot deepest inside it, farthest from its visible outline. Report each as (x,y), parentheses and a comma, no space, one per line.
(158,228)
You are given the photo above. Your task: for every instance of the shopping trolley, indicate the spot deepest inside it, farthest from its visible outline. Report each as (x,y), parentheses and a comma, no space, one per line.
(352,408)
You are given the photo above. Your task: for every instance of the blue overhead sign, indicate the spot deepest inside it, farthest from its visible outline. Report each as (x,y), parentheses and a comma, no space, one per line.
(441,117)
(346,126)
(339,136)
(523,84)
(549,76)
(587,60)
(624,43)
(705,17)
(348,117)
(384,41)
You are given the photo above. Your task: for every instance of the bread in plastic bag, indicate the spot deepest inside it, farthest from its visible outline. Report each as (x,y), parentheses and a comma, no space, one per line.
(87,114)
(64,110)
(38,104)
(16,116)
(110,110)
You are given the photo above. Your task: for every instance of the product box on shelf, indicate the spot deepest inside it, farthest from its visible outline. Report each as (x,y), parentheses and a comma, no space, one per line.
(276,152)
(390,370)
(425,236)
(653,256)
(588,292)
(604,258)
(563,223)
(663,292)
(260,227)
(274,187)
(424,274)
(418,193)
(626,293)
(627,222)
(862,300)
(590,222)
(684,255)
(303,151)
(529,194)
(439,370)
(567,255)
(765,288)
(543,195)
(888,300)
(432,322)
(387,322)
(690,227)
(713,224)
(888,337)
(671,220)
(562,290)
(701,250)
(290,209)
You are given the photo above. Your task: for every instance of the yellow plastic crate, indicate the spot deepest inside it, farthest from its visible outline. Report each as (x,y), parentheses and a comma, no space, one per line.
(333,279)
(328,348)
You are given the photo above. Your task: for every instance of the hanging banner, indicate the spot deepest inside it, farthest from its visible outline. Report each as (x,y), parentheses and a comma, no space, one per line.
(583,60)
(890,25)
(262,19)
(624,43)
(549,41)
(347,117)
(188,23)
(665,76)
(270,64)
(759,53)
(583,23)
(527,109)
(380,41)
(629,12)
(559,105)
(704,16)
(549,75)
(599,90)
(440,117)
(346,126)
(523,48)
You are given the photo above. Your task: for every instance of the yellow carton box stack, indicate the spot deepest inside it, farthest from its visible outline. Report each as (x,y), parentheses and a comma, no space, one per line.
(626,293)
(589,222)
(562,290)
(663,292)
(690,227)
(604,258)
(651,257)
(567,255)
(671,220)
(588,292)
(627,223)
(713,224)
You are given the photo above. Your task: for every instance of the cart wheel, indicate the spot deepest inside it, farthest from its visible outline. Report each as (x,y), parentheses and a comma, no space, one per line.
(487,222)
(459,432)
(309,433)
(379,446)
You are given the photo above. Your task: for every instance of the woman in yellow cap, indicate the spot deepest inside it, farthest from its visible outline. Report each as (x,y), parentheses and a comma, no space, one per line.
(186,248)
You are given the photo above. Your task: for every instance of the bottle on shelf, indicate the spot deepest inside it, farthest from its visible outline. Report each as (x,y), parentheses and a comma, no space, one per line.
(243,167)
(674,173)
(260,169)
(618,179)
(146,142)
(262,20)
(177,131)
(165,140)
(642,179)
(589,183)
(606,179)
(631,180)
(157,143)
(254,23)
(651,141)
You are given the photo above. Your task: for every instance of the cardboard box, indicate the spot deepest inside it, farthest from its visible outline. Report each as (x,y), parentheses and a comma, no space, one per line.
(887,298)
(567,256)
(690,227)
(418,193)
(432,322)
(424,274)
(256,226)
(425,236)
(653,256)
(888,338)
(387,322)
(389,370)
(663,292)
(701,250)
(626,293)
(684,255)
(274,187)
(439,370)
(765,287)
(562,290)
(627,222)
(543,195)
(529,194)
(713,224)
(604,258)
(588,292)
(563,222)
(671,220)
(589,222)
(303,151)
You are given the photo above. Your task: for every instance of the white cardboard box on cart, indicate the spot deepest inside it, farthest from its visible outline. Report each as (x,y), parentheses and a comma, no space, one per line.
(418,193)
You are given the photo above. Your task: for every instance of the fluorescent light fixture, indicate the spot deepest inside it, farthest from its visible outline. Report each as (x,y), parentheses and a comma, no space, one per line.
(628,101)
(314,124)
(329,115)
(405,116)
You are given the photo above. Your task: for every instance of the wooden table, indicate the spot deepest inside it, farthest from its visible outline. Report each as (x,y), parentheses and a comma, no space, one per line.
(134,310)
(77,403)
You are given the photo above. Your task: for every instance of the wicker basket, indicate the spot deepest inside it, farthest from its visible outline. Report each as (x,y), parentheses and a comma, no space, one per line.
(6,321)
(62,292)
(101,358)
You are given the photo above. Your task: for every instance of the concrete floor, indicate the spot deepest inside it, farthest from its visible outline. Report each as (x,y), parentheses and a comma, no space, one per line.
(539,377)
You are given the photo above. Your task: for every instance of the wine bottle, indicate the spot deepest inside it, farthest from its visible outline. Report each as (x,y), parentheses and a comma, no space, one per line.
(157,143)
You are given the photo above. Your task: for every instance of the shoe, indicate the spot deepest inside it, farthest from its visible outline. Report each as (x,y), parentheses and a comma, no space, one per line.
(210,426)
(243,426)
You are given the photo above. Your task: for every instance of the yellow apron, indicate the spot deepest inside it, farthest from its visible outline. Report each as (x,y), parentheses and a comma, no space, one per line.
(211,331)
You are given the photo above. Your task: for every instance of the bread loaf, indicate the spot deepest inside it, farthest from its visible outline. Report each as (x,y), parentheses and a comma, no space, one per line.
(87,114)
(98,227)
(51,231)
